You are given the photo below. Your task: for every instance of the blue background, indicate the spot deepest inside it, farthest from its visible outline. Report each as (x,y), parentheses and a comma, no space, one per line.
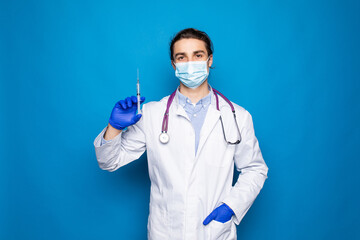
(294,65)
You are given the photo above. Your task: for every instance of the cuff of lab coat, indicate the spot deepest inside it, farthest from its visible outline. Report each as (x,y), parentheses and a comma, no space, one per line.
(100,141)
(103,141)
(239,213)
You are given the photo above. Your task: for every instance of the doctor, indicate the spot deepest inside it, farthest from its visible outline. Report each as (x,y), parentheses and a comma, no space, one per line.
(193,138)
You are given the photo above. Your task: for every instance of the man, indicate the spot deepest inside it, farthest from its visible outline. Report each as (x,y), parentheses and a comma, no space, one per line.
(192,138)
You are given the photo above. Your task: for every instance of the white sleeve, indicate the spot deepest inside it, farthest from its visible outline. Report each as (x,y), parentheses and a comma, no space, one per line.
(126,147)
(249,161)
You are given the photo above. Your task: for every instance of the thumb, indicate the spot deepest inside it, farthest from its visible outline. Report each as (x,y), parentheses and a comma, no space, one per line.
(209,218)
(136,118)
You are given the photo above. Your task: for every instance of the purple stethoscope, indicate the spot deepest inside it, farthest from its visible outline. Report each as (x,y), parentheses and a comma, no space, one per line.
(164,136)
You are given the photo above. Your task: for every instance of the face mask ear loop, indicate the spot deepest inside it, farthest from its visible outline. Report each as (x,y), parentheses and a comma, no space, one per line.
(207,61)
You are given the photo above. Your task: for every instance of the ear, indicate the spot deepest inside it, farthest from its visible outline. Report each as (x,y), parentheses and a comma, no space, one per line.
(210,60)
(173,65)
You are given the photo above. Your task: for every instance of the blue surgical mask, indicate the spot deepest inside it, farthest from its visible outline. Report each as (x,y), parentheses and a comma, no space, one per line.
(192,74)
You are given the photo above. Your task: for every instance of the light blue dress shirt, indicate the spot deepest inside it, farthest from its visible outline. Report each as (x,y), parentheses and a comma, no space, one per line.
(195,113)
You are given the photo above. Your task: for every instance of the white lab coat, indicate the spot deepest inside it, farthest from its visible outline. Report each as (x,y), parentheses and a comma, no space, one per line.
(186,188)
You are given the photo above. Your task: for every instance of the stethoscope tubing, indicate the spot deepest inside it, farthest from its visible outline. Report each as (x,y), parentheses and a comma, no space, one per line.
(166,115)
(165,122)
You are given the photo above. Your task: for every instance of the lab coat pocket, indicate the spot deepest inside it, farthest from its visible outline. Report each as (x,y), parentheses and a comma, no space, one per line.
(221,231)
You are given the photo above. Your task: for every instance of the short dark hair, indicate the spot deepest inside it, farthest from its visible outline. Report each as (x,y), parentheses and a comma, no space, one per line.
(191,33)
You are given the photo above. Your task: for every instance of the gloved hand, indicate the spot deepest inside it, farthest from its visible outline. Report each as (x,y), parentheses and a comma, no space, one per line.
(124,113)
(222,214)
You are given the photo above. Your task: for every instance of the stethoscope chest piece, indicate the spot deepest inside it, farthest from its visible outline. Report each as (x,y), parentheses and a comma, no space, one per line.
(164,137)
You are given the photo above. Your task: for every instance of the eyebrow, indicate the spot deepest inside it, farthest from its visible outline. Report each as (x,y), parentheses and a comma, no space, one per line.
(199,51)
(180,53)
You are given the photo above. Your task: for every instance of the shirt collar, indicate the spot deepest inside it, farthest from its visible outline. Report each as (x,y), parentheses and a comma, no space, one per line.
(183,100)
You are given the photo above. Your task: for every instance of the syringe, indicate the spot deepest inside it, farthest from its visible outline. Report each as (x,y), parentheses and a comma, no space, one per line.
(138,92)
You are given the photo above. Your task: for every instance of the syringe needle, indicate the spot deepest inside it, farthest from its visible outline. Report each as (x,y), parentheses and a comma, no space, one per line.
(138,92)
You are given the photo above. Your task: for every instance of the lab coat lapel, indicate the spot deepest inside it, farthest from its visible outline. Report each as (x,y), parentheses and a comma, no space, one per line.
(210,121)
(179,110)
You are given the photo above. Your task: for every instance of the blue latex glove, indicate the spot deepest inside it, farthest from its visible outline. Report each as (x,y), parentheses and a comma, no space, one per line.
(222,214)
(124,113)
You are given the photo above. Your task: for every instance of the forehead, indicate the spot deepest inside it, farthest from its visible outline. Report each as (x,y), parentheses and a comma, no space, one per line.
(189,45)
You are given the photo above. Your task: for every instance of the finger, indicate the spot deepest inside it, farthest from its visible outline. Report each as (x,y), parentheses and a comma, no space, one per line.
(122,104)
(136,118)
(134,99)
(128,102)
(209,218)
